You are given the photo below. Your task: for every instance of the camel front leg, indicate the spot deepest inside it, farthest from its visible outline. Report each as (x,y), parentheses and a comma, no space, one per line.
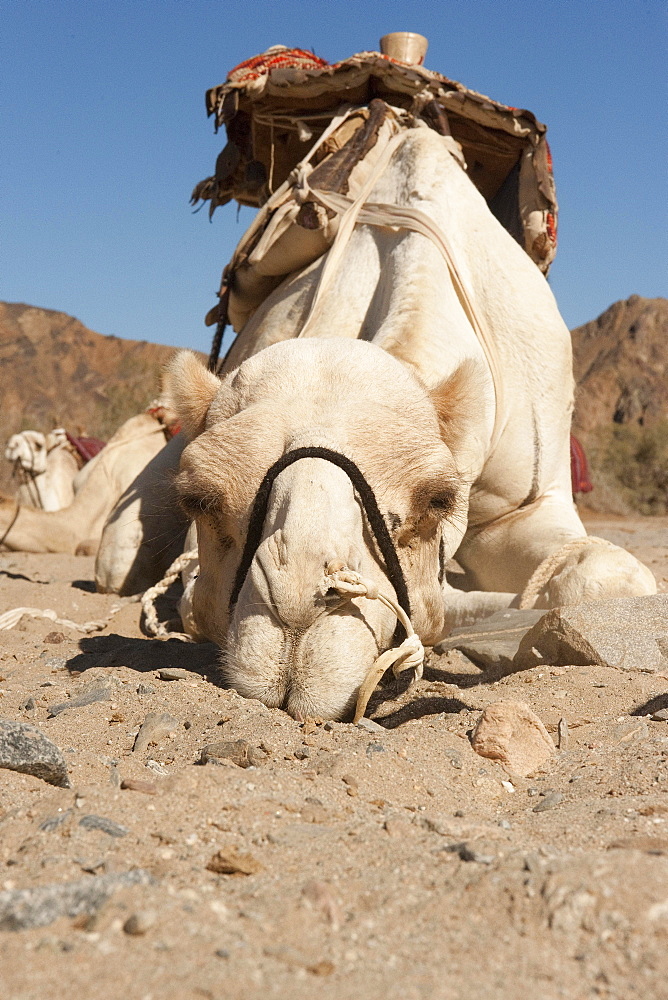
(543,553)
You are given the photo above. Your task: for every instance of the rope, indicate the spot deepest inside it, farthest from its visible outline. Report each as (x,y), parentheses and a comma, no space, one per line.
(10,618)
(545,570)
(409,655)
(11,523)
(151,623)
(359,212)
(369,503)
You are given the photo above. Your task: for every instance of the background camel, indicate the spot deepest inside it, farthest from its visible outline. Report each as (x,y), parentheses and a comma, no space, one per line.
(45,466)
(100,484)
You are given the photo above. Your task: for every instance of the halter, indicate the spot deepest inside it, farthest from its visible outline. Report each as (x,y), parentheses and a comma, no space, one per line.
(371,509)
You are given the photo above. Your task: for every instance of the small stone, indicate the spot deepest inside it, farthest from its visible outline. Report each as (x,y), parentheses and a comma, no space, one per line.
(661,715)
(551,800)
(155,727)
(140,922)
(240,752)
(467,853)
(303,753)
(134,785)
(22,909)
(28,705)
(145,689)
(320,896)
(371,726)
(93,822)
(562,732)
(88,697)
(373,748)
(230,862)
(350,780)
(54,637)
(221,953)
(173,674)
(510,732)
(53,822)
(26,749)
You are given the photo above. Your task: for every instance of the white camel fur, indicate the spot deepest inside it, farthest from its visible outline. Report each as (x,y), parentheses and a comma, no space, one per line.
(391,374)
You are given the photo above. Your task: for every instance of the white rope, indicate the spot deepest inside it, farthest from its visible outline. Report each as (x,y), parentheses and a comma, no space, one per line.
(151,623)
(358,211)
(407,656)
(11,618)
(546,570)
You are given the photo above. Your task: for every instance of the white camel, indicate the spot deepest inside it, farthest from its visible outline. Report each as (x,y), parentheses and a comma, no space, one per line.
(427,350)
(46,467)
(100,485)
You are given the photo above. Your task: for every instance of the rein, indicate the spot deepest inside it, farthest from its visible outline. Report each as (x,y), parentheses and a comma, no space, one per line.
(371,509)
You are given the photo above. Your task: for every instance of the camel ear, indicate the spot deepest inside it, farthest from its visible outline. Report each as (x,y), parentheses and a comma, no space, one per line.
(457,400)
(190,389)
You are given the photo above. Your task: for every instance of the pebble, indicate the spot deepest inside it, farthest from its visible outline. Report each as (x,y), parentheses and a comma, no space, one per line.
(551,799)
(53,822)
(374,748)
(93,694)
(139,922)
(26,749)
(510,732)
(661,715)
(21,909)
(108,826)
(145,689)
(371,726)
(134,785)
(173,674)
(28,705)
(240,752)
(54,637)
(230,862)
(155,727)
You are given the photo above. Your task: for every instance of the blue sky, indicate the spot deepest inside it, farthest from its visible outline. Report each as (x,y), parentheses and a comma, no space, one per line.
(105,134)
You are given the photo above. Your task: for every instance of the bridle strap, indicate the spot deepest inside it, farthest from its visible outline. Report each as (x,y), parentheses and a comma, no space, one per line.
(369,503)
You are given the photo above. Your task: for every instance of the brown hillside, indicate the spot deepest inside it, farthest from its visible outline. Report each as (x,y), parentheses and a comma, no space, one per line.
(55,372)
(621,407)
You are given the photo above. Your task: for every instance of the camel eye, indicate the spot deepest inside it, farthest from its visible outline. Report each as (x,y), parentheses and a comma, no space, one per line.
(444,502)
(195,504)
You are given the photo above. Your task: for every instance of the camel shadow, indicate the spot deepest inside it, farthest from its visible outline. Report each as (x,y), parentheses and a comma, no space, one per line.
(145,655)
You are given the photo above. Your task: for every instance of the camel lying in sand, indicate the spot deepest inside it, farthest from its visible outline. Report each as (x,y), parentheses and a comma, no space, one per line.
(419,391)
(46,467)
(101,486)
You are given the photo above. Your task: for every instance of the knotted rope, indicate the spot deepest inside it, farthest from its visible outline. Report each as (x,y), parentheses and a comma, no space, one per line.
(151,624)
(409,655)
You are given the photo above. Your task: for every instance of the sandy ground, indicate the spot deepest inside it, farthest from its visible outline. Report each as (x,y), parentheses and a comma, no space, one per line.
(386,863)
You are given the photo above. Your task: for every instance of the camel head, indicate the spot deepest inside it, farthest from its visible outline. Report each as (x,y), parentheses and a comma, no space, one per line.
(288,640)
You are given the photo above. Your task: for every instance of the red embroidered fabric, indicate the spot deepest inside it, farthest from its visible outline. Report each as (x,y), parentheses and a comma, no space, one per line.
(259,65)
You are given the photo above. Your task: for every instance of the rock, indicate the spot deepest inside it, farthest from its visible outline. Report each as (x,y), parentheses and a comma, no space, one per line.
(371,726)
(140,922)
(230,862)
(54,637)
(21,909)
(145,689)
(28,705)
(492,642)
(550,800)
(26,749)
(466,852)
(131,784)
(53,822)
(630,633)
(173,674)
(155,727)
(93,822)
(96,692)
(661,715)
(320,896)
(508,731)
(240,752)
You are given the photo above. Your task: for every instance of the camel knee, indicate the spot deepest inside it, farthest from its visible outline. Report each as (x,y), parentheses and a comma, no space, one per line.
(596,570)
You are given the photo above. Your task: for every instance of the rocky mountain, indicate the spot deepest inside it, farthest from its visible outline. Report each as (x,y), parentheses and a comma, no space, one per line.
(55,372)
(621,408)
